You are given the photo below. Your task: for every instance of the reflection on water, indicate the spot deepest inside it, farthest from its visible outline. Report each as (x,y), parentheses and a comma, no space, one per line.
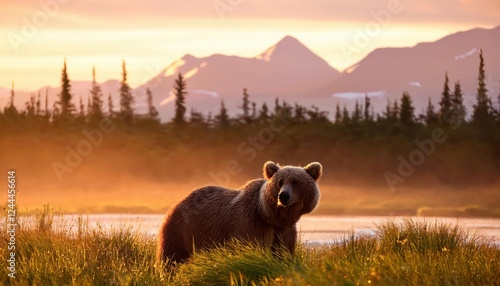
(313,229)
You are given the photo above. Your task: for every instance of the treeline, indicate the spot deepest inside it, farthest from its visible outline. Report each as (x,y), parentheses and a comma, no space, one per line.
(399,116)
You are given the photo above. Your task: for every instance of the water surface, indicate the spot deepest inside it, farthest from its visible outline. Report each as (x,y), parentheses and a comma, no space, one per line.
(313,229)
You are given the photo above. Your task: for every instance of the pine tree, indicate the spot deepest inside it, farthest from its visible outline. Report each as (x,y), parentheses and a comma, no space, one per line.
(345,116)
(180,98)
(395,111)
(95,99)
(299,113)
(264,113)
(222,118)
(30,107)
(368,116)
(38,110)
(277,107)
(46,112)
(445,103)
(55,110)
(286,112)
(126,98)
(338,115)
(66,107)
(245,107)
(388,110)
(254,110)
(315,115)
(210,120)
(406,116)
(431,117)
(82,110)
(196,118)
(458,107)
(356,114)
(481,113)
(89,105)
(152,112)
(110,106)
(10,110)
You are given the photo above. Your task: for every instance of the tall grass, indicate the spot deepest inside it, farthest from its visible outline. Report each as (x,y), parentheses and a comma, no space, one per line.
(403,252)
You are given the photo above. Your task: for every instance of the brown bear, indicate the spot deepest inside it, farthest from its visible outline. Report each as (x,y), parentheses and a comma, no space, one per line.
(264,211)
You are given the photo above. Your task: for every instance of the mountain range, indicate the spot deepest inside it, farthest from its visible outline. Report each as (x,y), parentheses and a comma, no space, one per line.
(291,71)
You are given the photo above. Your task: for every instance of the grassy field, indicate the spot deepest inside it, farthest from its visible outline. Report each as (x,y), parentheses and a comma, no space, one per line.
(402,253)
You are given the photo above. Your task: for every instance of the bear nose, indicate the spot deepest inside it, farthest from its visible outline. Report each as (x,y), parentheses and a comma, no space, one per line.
(284,197)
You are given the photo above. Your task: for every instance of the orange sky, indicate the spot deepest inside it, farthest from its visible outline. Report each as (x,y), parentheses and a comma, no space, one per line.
(149,35)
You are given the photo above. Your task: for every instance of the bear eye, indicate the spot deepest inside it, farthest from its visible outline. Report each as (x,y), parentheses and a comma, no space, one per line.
(294,182)
(280,182)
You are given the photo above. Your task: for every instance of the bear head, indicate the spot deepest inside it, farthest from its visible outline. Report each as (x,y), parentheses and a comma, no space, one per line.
(289,192)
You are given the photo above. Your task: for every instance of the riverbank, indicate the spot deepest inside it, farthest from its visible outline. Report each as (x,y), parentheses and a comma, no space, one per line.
(400,253)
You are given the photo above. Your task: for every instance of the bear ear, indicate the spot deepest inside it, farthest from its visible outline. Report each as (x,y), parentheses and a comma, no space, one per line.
(314,169)
(270,168)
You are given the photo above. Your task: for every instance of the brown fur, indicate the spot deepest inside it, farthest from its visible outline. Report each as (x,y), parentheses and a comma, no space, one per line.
(212,215)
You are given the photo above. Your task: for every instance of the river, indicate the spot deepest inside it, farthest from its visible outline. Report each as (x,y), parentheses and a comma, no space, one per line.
(312,229)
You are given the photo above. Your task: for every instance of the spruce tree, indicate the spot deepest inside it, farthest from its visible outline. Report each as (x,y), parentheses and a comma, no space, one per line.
(431,117)
(30,107)
(458,108)
(345,116)
(196,118)
(126,98)
(46,112)
(254,110)
(152,112)
(245,107)
(38,110)
(264,113)
(95,99)
(180,98)
(66,107)
(110,106)
(55,110)
(356,114)
(338,114)
(89,105)
(368,116)
(445,103)
(82,110)
(406,116)
(299,113)
(387,114)
(481,112)
(277,107)
(10,110)
(395,111)
(222,118)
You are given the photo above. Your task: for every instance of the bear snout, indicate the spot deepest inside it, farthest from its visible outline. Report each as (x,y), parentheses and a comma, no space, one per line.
(284,198)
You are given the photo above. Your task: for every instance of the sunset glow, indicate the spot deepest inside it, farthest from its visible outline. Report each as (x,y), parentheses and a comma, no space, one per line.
(37,37)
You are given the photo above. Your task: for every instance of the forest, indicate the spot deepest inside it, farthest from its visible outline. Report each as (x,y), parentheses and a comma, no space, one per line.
(95,147)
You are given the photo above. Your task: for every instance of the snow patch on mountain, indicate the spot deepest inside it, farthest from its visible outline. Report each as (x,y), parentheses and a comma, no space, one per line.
(174,67)
(266,56)
(205,92)
(170,98)
(358,95)
(467,54)
(352,68)
(191,73)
